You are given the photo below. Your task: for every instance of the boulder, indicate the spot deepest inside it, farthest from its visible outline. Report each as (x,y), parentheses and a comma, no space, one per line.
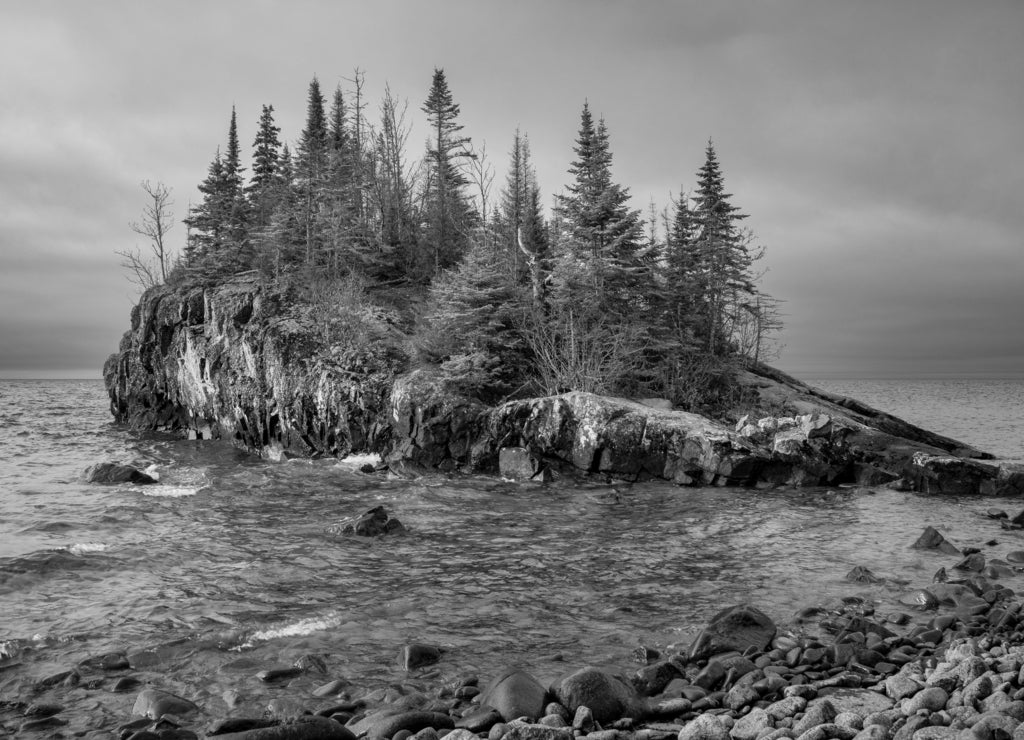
(384,724)
(301,728)
(154,703)
(416,655)
(372,523)
(608,696)
(109,473)
(514,694)
(931,539)
(517,463)
(738,628)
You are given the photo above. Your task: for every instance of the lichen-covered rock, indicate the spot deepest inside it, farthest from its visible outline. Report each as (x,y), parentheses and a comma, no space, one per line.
(235,362)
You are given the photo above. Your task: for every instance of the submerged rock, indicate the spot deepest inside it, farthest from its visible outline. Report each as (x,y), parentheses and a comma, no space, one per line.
(109,473)
(931,539)
(372,523)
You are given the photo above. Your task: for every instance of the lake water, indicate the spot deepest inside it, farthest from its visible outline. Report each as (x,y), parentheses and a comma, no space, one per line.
(227,566)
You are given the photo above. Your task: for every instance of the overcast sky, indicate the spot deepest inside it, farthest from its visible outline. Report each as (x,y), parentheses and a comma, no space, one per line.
(877,146)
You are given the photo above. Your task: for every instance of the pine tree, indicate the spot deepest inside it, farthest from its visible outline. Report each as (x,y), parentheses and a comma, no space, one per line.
(448,215)
(519,182)
(206,220)
(266,153)
(683,275)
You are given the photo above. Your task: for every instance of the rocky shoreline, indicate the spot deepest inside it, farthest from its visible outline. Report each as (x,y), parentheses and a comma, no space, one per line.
(233,362)
(950,666)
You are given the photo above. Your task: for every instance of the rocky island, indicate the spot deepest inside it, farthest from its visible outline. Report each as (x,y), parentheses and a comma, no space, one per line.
(226,362)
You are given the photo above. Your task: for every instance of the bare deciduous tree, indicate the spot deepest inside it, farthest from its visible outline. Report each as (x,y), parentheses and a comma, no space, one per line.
(147,269)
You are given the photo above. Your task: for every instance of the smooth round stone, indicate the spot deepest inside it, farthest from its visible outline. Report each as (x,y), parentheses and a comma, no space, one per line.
(921,598)
(1017,556)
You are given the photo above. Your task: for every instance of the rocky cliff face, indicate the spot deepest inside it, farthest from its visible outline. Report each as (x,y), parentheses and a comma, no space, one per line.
(231,362)
(235,362)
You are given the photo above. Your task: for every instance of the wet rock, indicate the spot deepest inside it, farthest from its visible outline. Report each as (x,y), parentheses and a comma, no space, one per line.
(372,523)
(417,655)
(931,539)
(995,513)
(154,703)
(739,697)
(238,725)
(860,574)
(44,723)
(383,725)
(740,628)
(936,732)
(515,694)
(704,727)
(526,731)
(332,687)
(517,463)
(481,720)
(109,473)
(302,728)
(279,673)
(974,562)
(42,709)
(652,679)
(608,696)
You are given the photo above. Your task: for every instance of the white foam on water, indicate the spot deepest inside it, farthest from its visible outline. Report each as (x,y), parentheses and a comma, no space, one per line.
(295,629)
(152,472)
(169,491)
(354,462)
(80,548)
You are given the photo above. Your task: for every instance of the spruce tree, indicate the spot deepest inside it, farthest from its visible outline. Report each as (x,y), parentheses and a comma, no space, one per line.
(235,206)
(602,235)
(266,153)
(311,170)
(721,253)
(448,215)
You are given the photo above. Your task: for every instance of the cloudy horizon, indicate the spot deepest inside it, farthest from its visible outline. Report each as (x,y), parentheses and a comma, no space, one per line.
(875,146)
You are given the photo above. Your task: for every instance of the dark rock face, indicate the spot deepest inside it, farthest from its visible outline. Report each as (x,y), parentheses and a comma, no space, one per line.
(737,628)
(231,363)
(109,473)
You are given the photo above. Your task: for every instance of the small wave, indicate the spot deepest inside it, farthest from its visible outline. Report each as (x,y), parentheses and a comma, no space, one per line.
(169,491)
(80,548)
(294,629)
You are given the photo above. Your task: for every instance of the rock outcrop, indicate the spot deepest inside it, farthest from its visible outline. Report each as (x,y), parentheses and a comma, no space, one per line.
(234,362)
(239,362)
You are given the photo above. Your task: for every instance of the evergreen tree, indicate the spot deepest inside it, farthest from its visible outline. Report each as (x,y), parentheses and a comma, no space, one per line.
(513,199)
(474,315)
(311,167)
(235,205)
(447,213)
(206,220)
(601,234)
(723,260)
(266,153)
(683,274)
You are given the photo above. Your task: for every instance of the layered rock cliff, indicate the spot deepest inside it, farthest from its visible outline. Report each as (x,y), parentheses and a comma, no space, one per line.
(240,363)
